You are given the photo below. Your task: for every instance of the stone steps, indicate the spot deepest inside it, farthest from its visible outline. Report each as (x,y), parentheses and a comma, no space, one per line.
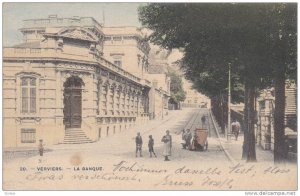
(75,136)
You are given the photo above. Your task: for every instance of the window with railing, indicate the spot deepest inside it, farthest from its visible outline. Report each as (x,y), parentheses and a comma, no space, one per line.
(28,95)
(28,135)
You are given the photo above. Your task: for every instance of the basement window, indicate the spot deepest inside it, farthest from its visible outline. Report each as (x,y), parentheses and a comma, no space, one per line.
(28,135)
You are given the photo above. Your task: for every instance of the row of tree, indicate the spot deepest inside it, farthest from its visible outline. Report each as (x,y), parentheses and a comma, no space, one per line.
(176,88)
(258,41)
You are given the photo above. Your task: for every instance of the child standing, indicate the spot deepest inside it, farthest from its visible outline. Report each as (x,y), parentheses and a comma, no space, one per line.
(41,147)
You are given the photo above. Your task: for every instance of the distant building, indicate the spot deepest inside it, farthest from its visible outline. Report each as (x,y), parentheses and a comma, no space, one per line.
(194,99)
(157,74)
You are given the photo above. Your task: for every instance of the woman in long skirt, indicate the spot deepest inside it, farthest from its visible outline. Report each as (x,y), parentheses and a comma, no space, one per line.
(167,140)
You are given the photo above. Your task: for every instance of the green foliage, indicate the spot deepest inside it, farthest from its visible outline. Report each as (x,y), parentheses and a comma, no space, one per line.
(214,35)
(176,88)
(258,40)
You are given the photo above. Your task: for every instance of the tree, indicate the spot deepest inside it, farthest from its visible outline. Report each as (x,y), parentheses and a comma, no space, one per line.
(176,88)
(209,38)
(214,35)
(282,41)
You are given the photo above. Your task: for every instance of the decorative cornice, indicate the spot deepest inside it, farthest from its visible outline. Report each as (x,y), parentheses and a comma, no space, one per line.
(78,33)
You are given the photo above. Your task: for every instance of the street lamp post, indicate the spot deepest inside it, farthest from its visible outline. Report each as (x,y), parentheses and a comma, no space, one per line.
(162,104)
(229,101)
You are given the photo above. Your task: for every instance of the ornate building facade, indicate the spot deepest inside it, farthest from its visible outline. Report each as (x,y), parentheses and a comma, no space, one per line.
(71,81)
(126,47)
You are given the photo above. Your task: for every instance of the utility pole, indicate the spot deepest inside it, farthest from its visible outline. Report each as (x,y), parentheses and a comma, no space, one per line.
(162,103)
(229,101)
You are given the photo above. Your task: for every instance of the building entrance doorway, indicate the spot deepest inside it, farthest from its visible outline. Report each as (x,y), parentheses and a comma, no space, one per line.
(73,102)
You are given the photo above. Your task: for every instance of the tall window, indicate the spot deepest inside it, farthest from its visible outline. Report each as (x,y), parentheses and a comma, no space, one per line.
(28,96)
(118,63)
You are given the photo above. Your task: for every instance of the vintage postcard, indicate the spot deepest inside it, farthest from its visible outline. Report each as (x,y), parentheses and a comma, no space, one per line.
(149,96)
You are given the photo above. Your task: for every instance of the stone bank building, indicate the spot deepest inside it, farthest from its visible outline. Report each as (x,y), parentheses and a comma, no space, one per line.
(74,81)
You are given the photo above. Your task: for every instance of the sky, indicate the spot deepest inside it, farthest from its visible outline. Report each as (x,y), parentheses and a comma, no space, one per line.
(116,14)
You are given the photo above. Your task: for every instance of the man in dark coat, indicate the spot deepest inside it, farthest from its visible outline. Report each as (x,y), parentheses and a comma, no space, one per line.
(151,145)
(187,139)
(138,143)
(236,129)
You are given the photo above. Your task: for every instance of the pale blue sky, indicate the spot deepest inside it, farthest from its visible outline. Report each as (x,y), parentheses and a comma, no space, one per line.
(116,14)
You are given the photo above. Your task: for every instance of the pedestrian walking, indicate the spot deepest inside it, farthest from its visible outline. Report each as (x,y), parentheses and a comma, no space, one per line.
(203,119)
(235,127)
(238,129)
(167,140)
(139,144)
(151,145)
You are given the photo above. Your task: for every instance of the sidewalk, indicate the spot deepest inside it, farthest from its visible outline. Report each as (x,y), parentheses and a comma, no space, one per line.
(142,128)
(10,153)
(121,144)
(119,138)
(235,150)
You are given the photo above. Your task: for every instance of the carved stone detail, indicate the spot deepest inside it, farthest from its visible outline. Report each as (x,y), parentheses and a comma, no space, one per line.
(78,33)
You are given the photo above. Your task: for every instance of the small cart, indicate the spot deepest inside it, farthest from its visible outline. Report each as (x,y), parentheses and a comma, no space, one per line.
(199,140)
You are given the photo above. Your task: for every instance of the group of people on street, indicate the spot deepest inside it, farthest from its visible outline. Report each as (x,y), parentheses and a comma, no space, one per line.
(190,141)
(166,139)
(188,138)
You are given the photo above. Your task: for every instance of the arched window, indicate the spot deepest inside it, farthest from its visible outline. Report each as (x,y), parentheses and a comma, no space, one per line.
(28,95)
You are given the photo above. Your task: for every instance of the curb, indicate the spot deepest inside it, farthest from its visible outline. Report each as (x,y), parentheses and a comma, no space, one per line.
(231,159)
